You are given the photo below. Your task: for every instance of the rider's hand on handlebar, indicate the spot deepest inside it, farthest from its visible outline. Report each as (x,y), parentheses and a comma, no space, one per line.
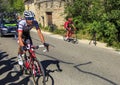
(24,48)
(46,45)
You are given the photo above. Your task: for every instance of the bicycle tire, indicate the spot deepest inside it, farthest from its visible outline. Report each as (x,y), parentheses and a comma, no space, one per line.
(38,66)
(75,41)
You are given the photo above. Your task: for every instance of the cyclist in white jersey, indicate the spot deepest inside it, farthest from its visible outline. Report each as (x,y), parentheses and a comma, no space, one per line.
(24,27)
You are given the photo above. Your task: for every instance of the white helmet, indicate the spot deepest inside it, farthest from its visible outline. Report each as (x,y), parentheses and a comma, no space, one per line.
(29,14)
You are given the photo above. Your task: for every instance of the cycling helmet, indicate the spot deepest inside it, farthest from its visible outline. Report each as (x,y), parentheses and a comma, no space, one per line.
(29,15)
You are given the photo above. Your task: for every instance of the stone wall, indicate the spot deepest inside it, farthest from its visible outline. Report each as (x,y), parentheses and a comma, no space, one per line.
(43,9)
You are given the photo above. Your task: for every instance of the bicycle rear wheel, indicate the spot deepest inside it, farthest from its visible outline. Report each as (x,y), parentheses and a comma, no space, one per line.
(38,72)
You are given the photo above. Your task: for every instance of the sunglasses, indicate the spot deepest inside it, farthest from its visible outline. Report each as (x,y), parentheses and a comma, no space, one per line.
(29,18)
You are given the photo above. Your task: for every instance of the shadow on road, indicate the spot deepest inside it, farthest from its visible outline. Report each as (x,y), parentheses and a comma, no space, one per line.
(61,61)
(7,73)
(56,62)
(10,76)
(77,67)
(45,64)
(93,74)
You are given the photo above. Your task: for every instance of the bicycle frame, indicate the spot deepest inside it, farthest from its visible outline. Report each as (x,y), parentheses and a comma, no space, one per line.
(32,57)
(32,64)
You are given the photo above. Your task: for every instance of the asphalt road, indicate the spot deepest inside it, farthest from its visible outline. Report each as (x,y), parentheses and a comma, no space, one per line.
(66,63)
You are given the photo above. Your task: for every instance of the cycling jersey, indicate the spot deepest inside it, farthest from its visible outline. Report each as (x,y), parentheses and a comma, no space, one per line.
(25,29)
(22,26)
(68,24)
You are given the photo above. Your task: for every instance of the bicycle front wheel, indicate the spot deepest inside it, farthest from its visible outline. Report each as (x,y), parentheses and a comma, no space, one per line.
(38,72)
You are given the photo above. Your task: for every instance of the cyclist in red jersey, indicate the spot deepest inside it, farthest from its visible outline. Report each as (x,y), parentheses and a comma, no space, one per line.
(70,28)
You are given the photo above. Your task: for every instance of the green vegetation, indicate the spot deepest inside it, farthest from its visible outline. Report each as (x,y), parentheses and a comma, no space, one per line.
(17,5)
(11,6)
(101,16)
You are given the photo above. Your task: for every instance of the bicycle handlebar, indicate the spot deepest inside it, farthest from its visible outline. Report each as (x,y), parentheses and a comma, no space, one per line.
(46,48)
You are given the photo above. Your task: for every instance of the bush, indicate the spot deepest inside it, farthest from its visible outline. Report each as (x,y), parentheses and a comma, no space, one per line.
(78,23)
(105,32)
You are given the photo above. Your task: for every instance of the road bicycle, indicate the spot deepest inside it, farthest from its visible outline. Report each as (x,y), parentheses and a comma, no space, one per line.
(74,39)
(31,64)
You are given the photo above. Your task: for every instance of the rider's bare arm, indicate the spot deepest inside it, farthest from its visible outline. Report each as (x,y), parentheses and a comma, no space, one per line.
(20,38)
(40,35)
(74,26)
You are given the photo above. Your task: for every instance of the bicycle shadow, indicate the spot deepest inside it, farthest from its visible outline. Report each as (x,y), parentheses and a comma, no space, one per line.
(93,74)
(8,74)
(48,72)
(61,61)
(2,55)
(55,61)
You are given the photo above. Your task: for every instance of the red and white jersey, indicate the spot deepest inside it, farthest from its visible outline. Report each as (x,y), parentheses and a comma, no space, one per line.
(22,25)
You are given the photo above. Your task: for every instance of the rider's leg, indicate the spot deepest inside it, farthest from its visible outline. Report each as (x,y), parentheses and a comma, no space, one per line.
(67,35)
(70,34)
(70,30)
(20,62)
(73,34)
